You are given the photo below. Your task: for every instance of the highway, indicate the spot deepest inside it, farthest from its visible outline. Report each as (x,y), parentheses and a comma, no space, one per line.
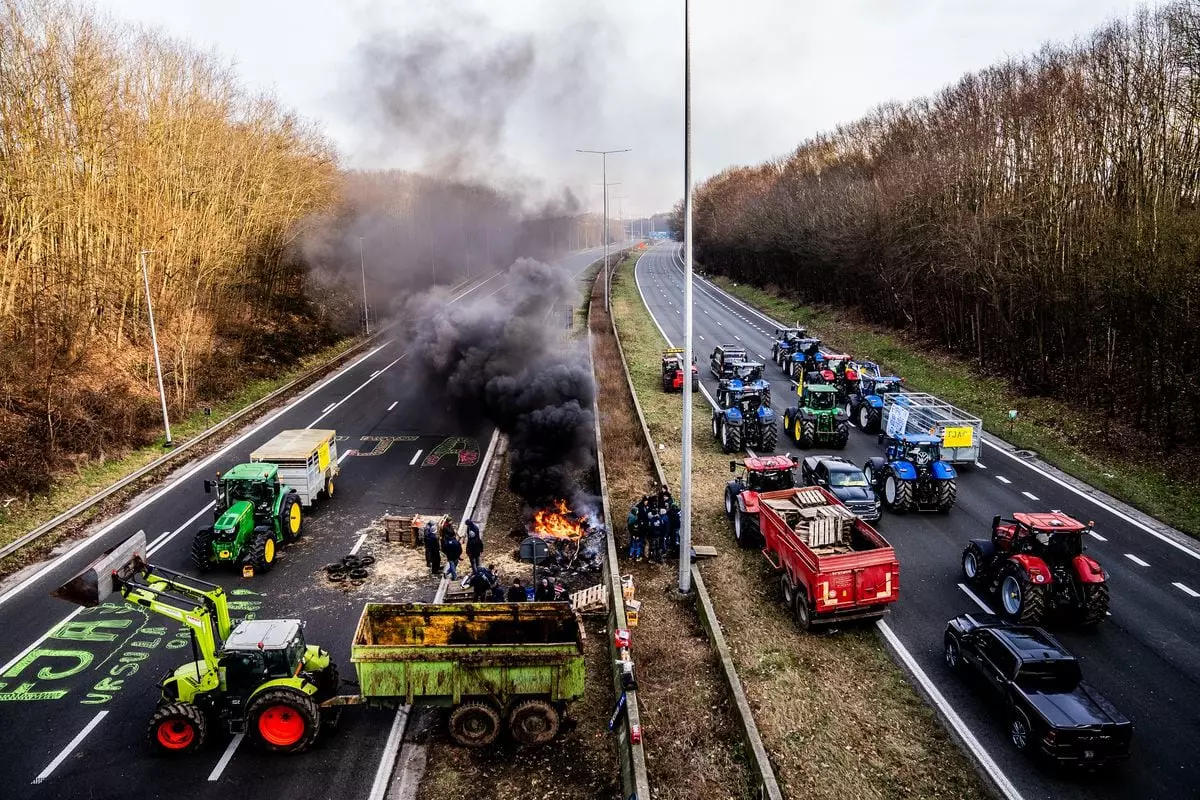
(1144,657)
(77,687)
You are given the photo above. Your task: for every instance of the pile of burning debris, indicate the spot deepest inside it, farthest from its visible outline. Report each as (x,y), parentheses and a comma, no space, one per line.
(574,545)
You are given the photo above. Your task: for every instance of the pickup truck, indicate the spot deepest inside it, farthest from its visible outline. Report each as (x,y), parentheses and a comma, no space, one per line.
(833,566)
(847,483)
(1051,711)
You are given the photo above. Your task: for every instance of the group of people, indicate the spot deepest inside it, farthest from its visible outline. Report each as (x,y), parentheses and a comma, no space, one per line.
(487,586)
(442,539)
(654,523)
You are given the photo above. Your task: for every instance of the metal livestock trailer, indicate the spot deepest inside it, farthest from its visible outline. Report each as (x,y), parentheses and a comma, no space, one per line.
(916,412)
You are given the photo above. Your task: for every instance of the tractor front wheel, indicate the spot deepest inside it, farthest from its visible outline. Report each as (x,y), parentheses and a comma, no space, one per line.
(1095,599)
(177,728)
(973,564)
(474,724)
(947,493)
(533,722)
(1020,599)
(284,720)
(730,503)
(262,552)
(202,549)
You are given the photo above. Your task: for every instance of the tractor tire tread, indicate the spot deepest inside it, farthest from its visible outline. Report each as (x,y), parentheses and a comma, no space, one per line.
(298,701)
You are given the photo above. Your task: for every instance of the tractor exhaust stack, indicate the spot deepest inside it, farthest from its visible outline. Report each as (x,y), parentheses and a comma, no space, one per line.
(98,580)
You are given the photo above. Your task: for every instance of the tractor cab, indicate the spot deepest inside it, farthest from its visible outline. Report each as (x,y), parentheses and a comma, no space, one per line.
(259,650)
(747,371)
(880,384)
(253,483)
(1054,537)
(922,449)
(765,474)
(790,336)
(748,400)
(818,397)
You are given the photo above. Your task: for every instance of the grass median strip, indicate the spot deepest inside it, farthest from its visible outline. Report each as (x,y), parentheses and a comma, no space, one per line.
(1108,455)
(834,711)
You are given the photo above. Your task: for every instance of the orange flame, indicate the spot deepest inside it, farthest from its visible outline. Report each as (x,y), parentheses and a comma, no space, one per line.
(557,523)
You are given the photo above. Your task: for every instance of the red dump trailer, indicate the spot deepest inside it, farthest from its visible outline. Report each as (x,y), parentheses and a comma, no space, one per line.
(833,566)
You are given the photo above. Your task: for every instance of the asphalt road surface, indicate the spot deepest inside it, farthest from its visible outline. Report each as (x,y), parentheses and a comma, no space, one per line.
(77,687)
(1144,657)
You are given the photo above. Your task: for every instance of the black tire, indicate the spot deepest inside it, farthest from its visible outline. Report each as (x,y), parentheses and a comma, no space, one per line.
(329,487)
(973,565)
(1020,599)
(787,589)
(734,443)
(474,724)
(291,532)
(730,503)
(262,552)
(897,494)
(716,428)
(695,383)
(327,681)
(176,729)
(842,436)
(202,549)
(745,528)
(952,654)
(533,722)
(947,493)
(766,398)
(862,417)
(1020,732)
(283,721)
(874,470)
(875,420)
(666,384)
(1095,609)
(808,434)
(800,610)
(770,438)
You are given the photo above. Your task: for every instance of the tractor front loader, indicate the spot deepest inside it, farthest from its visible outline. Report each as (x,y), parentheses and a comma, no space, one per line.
(259,678)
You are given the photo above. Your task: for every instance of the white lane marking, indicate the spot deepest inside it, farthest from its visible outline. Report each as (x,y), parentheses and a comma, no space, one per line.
(975,597)
(383,772)
(373,374)
(737,337)
(358,544)
(1190,592)
(342,457)
(1030,495)
(1136,560)
(327,408)
(702,338)
(66,751)
(1003,479)
(361,386)
(980,466)
(722,324)
(393,405)
(1097,536)
(162,541)
(1006,787)
(415,457)
(228,754)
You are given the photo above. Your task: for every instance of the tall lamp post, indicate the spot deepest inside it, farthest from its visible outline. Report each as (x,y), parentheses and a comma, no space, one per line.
(685,489)
(362,262)
(604,179)
(162,395)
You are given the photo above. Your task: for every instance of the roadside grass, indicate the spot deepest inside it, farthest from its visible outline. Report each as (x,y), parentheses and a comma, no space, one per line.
(837,716)
(91,476)
(693,750)
(1103,455)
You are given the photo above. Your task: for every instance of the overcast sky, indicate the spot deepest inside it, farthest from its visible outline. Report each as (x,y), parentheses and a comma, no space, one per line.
(514,86)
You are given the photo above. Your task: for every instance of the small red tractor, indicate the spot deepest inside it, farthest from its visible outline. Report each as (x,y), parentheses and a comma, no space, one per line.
(758,474)
(672,371)
(1034,563)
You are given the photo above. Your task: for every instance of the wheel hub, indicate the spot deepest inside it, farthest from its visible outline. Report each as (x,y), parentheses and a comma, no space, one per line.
(1010,595)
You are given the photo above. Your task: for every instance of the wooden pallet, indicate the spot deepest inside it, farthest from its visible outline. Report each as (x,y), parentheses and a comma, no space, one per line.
(593,598)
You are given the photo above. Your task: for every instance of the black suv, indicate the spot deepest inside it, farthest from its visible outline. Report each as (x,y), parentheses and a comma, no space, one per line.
(722,360)
(1051,711)
(846,481)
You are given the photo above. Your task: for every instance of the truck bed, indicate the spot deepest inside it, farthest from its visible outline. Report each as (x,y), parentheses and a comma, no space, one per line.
(292,446)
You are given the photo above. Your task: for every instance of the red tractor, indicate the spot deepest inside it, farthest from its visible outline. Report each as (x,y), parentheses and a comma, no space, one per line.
(1035,565)
(759,474)
(672,371)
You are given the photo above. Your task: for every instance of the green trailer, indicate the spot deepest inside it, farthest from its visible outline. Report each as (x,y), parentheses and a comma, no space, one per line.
(492,664)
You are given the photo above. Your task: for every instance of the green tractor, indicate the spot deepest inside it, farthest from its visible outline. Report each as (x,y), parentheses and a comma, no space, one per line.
(818,419)
(254,514)
(260,678)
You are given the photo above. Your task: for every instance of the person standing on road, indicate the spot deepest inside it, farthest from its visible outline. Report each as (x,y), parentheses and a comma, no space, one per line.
(433,553)
(452,548)
(474,543)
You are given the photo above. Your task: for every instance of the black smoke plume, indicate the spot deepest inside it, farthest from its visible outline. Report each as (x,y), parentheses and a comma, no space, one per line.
(501,358)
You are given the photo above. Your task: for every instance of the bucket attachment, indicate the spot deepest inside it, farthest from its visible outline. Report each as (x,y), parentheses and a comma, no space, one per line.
(102,577)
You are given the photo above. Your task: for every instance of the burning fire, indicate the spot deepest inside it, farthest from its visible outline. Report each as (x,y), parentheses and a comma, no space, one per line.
(561,523)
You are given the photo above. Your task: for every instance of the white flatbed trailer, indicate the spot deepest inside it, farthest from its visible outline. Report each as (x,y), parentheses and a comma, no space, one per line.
(307,461)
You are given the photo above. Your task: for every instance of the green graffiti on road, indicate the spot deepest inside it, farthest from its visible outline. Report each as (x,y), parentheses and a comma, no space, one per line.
(463,448)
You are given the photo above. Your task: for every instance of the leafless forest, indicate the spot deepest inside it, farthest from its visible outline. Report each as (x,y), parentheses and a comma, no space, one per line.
(1039,216)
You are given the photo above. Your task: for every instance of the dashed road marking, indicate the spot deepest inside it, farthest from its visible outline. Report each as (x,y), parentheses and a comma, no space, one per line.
(358,544)
(1030,495)
(326,409)
(1136,560)
(1189,591)
(70,748)
(228,754)
(1003,479)
(1097,536)
(975,597)
(393,405)
(415,457)
(980,466)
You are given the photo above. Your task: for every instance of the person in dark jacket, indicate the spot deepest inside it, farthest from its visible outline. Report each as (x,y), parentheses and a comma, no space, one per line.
(452,548)
(676,522)
(481,583)
(657,534)
(637,537)
(516,592)
(433,553)
(544,592)
(497,584)
(474,543)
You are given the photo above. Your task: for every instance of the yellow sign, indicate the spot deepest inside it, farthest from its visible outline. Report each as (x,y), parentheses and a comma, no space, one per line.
(323,456)
(958,437)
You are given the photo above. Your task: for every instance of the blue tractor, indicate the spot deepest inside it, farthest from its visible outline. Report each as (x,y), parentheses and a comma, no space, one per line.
(743,418)
(747,374)
(913,475)
(866,398)
(805,356)
(785,342)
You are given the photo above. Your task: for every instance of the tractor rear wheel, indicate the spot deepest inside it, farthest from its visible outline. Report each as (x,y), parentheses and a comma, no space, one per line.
(898,494)
(734,444)
(842,436)
(176,728)
(327,681)
(806,433)
(474,724)
(291,518)
(262,552)
(533,722)
(202,549)
(770,437)
(1020,599)
(947,493)
(283,720)
(1095,599)
(973,564)
(745,528)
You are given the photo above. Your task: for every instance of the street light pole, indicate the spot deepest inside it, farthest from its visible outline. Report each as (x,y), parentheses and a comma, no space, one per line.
(685,489)
(363,263)
(162,395)
(604,173)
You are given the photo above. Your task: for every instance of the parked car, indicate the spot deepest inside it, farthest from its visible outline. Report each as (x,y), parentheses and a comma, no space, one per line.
(847,483)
